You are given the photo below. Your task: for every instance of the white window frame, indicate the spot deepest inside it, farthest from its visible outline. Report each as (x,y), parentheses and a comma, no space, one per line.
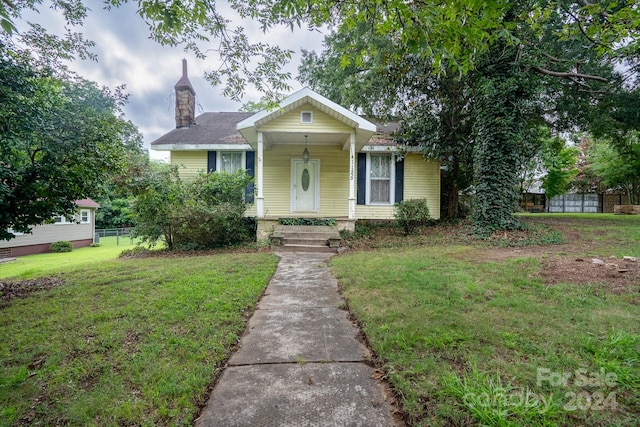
(392,180)
(302,113)
(243,159)
(82,220)
(63,220)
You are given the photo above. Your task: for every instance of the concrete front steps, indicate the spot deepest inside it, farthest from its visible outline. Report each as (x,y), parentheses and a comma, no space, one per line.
(305,238)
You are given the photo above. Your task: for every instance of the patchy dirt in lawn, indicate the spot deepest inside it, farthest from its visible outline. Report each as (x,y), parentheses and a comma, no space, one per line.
(620,275)
(567,262)
(23,288)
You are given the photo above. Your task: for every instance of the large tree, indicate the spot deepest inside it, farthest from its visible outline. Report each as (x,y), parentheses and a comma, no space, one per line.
(531,37)
(538,63)
(61,138)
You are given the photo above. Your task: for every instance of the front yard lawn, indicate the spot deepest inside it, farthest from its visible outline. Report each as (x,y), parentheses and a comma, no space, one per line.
(28,266)
(126,342)
(472,335)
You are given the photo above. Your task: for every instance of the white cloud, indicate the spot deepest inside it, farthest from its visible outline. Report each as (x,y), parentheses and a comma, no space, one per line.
(126,55)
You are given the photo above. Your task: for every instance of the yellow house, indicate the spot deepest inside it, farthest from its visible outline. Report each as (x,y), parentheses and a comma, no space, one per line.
(310,158)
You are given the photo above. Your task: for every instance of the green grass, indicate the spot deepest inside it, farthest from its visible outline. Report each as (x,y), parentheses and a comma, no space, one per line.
(127,341)
(28,266)
(463,340)
(606,234)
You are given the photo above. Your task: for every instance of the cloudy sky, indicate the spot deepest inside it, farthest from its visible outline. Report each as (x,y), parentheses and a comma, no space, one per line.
(127,56)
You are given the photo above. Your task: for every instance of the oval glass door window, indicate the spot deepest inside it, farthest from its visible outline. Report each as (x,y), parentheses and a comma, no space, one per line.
(305,179)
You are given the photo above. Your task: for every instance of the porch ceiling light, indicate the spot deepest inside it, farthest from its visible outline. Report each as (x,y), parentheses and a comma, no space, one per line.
(305,153)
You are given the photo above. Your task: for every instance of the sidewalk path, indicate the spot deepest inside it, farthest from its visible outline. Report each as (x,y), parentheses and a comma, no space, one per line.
(299,362)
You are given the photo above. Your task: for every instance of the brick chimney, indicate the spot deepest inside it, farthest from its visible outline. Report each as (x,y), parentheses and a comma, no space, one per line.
(185,100)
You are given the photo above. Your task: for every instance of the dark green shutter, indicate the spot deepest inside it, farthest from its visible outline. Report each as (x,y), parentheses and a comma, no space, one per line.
(399,181)
(362,178)
(211,161)
(250,168)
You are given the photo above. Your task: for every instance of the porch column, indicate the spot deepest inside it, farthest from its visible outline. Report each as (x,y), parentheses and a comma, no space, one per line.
(352,177)
(259,179)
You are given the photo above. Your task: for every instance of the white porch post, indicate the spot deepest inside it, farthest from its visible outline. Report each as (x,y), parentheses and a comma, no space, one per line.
(260,178)
(352,178)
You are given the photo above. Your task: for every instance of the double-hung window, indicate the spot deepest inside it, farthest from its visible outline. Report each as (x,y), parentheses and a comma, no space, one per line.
(380,179)
(231,161)
(85,216)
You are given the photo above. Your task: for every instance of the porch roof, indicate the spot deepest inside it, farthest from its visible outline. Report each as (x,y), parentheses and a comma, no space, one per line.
(362,128)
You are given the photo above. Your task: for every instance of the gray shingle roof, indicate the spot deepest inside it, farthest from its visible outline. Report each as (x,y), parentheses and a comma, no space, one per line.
(210,128)
(220,128)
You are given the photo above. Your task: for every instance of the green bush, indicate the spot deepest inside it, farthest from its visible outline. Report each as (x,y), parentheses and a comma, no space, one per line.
(62,246)
(411,214)
(207,212)
(95,245)
(308,221)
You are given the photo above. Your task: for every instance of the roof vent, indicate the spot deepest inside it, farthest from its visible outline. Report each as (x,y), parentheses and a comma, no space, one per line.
(306,117)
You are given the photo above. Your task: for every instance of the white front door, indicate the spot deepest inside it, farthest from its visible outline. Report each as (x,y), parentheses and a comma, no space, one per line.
(305,186)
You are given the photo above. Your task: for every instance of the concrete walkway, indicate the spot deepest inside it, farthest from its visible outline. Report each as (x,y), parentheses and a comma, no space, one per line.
(299,363)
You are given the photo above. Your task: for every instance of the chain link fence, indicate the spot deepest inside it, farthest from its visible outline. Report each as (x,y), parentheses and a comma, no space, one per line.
(124,233)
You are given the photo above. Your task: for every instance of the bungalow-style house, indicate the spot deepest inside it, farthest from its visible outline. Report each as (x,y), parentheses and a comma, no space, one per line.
(79,230)
(310,158)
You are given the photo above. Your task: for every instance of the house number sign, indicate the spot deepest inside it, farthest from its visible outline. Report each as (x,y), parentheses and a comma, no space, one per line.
(305,179)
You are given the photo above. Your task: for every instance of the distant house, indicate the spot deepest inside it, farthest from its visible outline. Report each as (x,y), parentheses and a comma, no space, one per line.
(310,158)
(79,230)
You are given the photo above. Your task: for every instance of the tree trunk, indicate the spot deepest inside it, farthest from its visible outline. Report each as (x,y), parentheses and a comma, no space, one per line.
(503,97)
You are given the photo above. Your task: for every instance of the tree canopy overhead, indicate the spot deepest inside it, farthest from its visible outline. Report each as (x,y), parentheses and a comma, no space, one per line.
(451,35)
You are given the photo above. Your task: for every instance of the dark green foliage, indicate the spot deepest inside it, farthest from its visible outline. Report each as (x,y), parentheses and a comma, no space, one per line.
(114,213)
(205,213)
(411,214)
(61,138)
(158,192)
(308,221)
(62,246)
(505,100)
(617,167)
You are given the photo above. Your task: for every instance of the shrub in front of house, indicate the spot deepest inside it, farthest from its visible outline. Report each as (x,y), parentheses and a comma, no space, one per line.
(411,214)
(62,246)
(207,212)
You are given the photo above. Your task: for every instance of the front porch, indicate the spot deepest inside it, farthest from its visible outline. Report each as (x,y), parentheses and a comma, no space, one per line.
(305,159)
(266,227)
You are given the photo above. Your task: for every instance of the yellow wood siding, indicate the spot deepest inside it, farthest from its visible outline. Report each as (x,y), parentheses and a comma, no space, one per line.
(190,162)
(290,122)
(421,180)
(334,180)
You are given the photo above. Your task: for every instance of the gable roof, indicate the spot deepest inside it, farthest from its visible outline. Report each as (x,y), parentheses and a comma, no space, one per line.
(307,96)
(87,203)
(211,129)
(364,129)
(233,130)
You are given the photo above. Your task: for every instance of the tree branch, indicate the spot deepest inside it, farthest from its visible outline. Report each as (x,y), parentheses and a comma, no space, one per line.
(570,75)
